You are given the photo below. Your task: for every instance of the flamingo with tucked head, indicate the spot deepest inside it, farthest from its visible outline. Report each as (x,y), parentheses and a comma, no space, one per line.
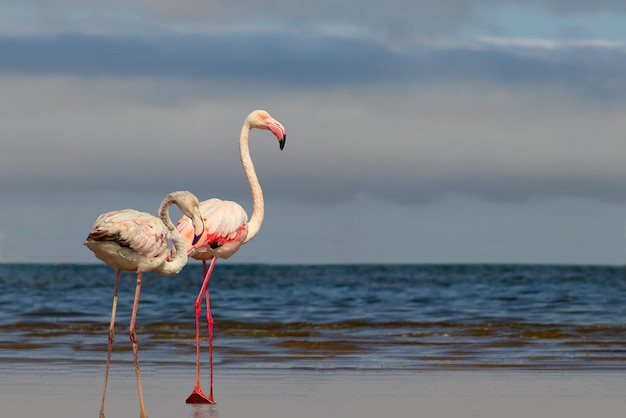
(129,240)
(226,228)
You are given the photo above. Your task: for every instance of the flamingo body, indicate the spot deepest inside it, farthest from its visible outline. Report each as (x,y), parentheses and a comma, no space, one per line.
(129,240)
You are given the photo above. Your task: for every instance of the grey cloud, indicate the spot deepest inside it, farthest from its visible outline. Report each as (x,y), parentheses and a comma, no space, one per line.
(493,143)
(304,62)
(274,57)
(412,15)
(500,122)
(408,144)
(137,98)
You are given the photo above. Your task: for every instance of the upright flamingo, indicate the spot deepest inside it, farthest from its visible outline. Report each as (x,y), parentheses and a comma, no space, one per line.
(129,240)
(226,228)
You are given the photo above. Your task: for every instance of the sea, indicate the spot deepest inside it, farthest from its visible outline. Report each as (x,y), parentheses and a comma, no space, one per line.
(324,317)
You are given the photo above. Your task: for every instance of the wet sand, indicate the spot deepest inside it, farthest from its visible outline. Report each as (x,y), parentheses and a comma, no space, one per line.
(35,390)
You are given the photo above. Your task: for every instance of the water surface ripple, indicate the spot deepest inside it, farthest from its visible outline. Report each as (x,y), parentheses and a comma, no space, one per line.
(326,316)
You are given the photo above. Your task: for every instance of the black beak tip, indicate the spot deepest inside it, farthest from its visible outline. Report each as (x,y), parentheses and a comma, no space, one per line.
(281,143)
(196,238)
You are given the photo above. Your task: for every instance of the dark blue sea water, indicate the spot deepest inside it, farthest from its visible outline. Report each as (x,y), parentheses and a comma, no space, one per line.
(380,317)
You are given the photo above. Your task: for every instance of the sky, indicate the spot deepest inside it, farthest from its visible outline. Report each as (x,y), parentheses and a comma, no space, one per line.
(421,131)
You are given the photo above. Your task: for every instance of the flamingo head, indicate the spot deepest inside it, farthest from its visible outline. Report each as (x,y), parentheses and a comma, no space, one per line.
(261,119)
(198,223)
(190,206)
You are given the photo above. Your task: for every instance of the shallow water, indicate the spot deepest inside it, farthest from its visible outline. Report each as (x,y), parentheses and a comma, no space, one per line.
(331,317)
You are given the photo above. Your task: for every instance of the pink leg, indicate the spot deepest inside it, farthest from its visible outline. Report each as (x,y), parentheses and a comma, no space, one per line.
(111,338)
(133,339)
(197,396)
(209,319)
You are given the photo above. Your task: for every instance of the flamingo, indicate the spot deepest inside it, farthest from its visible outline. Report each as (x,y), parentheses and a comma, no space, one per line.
(129,240)
(226,228)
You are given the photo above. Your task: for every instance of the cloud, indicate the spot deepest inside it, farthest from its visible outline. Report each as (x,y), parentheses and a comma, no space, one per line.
(406,144)
(265,57)
(391,20)
(497,144)
(394,114)
(593,68)
(497,119)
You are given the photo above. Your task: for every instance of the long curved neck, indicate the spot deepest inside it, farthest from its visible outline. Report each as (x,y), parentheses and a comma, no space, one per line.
(179,258)
(258,207)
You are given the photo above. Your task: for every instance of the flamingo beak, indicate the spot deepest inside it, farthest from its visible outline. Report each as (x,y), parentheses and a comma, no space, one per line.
(278,130)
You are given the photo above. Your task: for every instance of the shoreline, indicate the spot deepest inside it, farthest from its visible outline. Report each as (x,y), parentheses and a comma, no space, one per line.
(56,390)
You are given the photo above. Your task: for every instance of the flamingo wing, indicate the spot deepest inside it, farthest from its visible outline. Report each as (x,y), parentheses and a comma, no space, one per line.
(138,231)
